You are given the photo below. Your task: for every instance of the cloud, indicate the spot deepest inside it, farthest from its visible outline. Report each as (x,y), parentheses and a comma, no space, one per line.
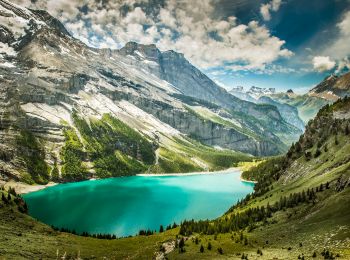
(322,63)
(166,18)
(343,65)
(340,48)
(337,52)
(265,9)
(189,27)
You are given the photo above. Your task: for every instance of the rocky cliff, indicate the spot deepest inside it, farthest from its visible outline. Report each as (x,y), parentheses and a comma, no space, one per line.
(333,87)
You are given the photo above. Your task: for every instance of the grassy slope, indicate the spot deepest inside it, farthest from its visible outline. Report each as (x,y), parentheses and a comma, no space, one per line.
(325,224)
(22,237)
(107,147)
(181,154)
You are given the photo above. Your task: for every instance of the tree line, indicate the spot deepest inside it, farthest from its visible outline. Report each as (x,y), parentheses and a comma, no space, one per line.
(13,197)
(249,217)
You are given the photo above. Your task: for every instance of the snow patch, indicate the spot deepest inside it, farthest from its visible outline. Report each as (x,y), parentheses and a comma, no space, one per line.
(139,54)
(7,65)
(149,62)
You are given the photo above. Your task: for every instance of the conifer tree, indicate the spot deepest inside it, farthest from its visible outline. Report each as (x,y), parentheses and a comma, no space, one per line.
(209,246)
(220,251)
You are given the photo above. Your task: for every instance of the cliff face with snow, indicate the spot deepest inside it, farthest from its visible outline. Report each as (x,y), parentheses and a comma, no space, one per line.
(47,76)
(333,87)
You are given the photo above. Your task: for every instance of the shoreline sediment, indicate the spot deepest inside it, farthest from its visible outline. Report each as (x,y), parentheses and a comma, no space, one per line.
(23,188)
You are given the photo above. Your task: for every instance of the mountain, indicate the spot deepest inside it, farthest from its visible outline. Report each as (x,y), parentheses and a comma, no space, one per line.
(267,96)
(88,111)
(191,82)
(333,87)
(299,205)
(241,94)
(257,91)
(252,94)
(307,105)
(288,112)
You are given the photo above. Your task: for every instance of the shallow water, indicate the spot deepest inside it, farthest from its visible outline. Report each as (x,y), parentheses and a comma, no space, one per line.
(123,206)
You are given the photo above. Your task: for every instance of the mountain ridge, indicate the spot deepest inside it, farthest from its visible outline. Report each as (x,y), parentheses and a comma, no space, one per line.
(333,87)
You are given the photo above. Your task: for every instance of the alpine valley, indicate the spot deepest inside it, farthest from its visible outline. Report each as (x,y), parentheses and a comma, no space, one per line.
(72,113)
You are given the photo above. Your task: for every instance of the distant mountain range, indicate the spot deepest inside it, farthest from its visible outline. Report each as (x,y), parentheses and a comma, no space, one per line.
(329,90)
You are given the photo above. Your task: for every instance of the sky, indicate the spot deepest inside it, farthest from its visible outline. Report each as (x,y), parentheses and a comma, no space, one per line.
(271,43)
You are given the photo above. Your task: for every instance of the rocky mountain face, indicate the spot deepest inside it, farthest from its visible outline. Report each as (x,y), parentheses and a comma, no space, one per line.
(288,112)
(333,87)
(78,108)
(191,82)
(307,105)
(266,96)
(240,93)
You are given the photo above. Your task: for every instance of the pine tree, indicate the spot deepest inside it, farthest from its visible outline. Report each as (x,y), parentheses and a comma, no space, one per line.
(182,244)
(209,246)
(201,249)
(161,229)
(4,198)
(317,153)
(325,148)
(220,251)
(321,188)
(245,241)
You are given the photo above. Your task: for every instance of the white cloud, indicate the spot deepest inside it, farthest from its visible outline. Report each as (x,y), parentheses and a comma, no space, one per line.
(166,18)
(343,64)
(266,9)
(276,5)
(184,26)
(341,45)
(323,63)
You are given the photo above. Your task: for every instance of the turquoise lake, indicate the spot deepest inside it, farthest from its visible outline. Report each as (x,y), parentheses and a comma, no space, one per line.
(123,206)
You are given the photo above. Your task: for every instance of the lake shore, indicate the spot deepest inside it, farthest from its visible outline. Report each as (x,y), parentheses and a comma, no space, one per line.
(244,180)
(198,173)
(188,173)
(23,188)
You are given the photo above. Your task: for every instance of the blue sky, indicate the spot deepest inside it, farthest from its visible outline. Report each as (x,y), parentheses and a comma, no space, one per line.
(271,43)
(307,27)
